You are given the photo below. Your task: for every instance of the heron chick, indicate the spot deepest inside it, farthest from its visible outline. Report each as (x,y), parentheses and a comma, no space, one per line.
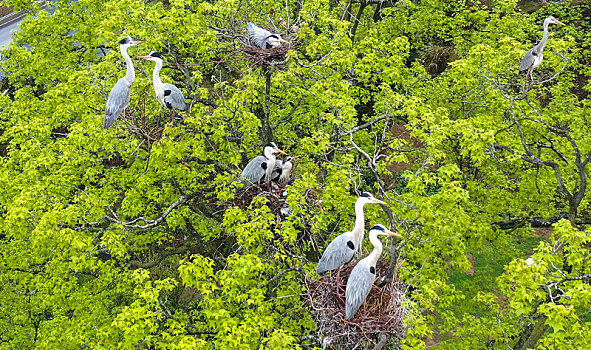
(363,275)
(120,94)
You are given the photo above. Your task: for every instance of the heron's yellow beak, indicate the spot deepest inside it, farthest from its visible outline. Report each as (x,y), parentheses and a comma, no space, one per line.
(296,157)
(558,22)
(145,57)
(137,42)
(280,151)
(375,200)
(391,233)
(284,41)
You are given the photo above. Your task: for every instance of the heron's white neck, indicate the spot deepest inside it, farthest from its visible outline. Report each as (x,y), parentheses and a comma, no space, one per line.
(373,257)
(359,227)
(156,75)
(268,152)
(130,76)
(544,40)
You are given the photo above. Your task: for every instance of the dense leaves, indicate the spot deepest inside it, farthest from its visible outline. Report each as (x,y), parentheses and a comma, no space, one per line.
(140,236)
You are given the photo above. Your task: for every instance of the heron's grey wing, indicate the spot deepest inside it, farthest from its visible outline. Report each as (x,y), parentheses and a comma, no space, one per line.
(528,60)
(117,101)
(339,252)
(358,286)
(173,98)
(257,34)
(254,171)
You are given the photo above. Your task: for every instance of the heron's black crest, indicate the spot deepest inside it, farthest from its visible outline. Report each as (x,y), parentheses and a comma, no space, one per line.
(366,195)
(124,41)
(270,144)
(287,159)
(156,54)
(372,270)
(378,227)
(351,245)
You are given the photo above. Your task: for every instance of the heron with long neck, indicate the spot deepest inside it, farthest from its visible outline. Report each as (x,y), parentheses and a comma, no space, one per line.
(343,248)
(120,94)
(363,275)
(533,58)
(167,94)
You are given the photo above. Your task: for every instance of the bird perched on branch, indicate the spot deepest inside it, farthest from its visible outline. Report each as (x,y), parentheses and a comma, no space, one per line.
(363,275)
(261,167)
(167,94)
(534,57)
(343,248)
(264,38)
(120,94)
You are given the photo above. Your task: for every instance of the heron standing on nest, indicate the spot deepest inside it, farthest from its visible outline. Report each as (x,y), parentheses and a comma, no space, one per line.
(363,275)
(343,248)
(264,38)
(120,94)
(534,57)
(261,166)
(167,94)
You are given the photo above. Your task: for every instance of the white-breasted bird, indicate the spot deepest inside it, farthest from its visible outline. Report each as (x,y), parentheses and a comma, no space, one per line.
(534,57)
(167,94)
(363,275)
(342,249)
(261,167)
(282,171)
(264,38)
(120,94)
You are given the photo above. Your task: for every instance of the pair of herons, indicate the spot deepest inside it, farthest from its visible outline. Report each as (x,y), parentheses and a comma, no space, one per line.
(343,249)
(167,94)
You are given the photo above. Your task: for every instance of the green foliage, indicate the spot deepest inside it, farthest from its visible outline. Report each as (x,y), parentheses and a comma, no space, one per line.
(138,236)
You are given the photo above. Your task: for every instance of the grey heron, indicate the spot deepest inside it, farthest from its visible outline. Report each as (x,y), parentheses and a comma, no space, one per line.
(261,166)
(282,171)
(167,94)
(343,248)
(264,38)
(534,57)
(363,274)
(121,92)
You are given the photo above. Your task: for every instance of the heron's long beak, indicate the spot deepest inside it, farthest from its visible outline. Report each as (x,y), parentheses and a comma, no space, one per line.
(145,57)
(558,22)
(136,42)
(280,151)
(391,233)
(375,200)
(284,41)
(295,157)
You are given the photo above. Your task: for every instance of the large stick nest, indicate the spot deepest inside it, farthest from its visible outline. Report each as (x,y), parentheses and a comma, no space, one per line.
(246,50)
(382,312)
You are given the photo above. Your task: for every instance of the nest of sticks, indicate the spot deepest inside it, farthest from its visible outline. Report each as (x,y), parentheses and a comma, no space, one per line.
(246,50)
(381,315)
(265,58)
